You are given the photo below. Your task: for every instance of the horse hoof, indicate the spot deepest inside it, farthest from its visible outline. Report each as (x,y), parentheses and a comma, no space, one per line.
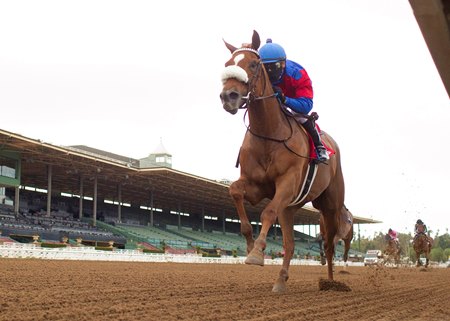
(279,287)
(256,257)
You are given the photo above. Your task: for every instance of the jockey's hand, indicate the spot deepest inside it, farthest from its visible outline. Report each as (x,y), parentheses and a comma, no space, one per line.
(279,94)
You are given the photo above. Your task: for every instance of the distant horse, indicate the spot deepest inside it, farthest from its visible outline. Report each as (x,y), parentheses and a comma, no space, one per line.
(344,224)
(392,251)
(274,160)
(422,245)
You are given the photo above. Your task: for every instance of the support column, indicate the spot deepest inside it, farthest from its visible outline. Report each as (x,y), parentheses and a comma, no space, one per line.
(16,200)
(359,239)
(179,216)
(223,222)
(49,189)
(203,219)
(80,202)
(94,210)
(152,223)
(119,206)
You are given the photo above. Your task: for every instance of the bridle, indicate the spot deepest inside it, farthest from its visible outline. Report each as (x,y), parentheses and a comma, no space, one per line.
(251,84)
(252,97)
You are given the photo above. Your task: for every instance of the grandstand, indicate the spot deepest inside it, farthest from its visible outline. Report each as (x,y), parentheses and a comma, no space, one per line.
(80,193)
(162,237)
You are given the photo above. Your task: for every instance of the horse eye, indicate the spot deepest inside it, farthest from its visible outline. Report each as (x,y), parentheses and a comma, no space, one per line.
(253,65)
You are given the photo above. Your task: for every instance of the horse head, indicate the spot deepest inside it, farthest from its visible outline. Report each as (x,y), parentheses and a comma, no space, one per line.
(240,75)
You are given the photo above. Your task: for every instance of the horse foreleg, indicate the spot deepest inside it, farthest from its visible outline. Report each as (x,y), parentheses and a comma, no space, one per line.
(268,218)
(418,263)
(237,191)
(330,255)
(428,253)
(286,220)
(330,227)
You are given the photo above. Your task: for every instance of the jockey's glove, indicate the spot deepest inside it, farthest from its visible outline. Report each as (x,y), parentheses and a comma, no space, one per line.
(279,94)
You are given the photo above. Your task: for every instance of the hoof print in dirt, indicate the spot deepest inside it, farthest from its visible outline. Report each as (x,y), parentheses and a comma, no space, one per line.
(328,285)
(344,272)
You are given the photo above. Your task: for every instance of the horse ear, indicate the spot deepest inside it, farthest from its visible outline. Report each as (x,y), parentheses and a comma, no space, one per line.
(230,47)
(256,41)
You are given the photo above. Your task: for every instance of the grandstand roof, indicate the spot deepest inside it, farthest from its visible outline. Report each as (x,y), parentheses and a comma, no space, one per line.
(171,189)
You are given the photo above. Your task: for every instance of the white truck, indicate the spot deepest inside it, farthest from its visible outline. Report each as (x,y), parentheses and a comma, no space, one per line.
(373,257)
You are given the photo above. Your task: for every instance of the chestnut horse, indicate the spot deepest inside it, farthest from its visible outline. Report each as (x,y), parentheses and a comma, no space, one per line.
(392,251)
(422,245)
(274,159)
(344,232)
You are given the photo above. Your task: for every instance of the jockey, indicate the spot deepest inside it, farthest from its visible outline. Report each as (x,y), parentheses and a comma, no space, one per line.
(293,88)
(393,235)
(420,228)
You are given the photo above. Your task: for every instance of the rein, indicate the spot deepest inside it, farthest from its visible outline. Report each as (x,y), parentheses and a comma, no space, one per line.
(251,97)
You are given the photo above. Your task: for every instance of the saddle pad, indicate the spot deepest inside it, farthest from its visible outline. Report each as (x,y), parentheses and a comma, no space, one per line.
(312,149)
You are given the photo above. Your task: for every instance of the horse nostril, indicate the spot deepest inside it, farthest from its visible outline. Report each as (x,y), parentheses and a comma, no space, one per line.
(230,96)
(234,95)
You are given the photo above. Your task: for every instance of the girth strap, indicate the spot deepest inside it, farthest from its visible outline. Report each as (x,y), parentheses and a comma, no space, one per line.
(307,183)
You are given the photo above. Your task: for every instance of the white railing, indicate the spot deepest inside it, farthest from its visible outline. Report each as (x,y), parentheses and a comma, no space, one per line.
(20,250)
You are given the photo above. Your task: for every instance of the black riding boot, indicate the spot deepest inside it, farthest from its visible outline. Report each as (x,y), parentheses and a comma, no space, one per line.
(320,149)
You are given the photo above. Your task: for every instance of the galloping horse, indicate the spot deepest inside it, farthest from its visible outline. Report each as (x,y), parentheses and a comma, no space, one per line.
(392,251)
(422,245)
(274,159)
(344,232)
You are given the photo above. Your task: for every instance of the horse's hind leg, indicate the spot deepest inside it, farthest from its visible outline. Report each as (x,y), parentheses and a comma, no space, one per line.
(322,240)
(347,242)
(346,250)
(286,220)
(323,259)
(237,191)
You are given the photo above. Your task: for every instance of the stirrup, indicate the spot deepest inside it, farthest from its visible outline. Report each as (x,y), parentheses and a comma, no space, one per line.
(322,154)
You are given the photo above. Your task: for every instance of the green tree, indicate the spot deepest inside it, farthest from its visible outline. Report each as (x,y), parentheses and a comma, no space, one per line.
(405,243)
(442,241)
(446,254)
(437,254)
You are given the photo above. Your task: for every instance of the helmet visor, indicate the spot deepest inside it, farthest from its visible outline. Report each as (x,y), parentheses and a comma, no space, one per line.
(274,70)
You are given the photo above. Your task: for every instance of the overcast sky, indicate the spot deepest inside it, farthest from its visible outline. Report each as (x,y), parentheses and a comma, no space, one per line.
(121,75)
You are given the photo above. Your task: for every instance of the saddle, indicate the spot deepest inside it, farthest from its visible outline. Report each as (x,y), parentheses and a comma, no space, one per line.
(312,117)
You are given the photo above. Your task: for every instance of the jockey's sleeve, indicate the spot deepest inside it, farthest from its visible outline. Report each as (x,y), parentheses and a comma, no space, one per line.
(297,88)
(300,105)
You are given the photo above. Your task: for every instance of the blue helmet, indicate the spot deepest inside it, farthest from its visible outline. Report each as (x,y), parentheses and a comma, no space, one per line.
(272,52)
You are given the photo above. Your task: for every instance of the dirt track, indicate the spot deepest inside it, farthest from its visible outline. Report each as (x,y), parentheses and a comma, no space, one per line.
(75,290)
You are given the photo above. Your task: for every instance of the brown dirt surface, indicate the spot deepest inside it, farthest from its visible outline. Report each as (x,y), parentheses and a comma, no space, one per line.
(87,290)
